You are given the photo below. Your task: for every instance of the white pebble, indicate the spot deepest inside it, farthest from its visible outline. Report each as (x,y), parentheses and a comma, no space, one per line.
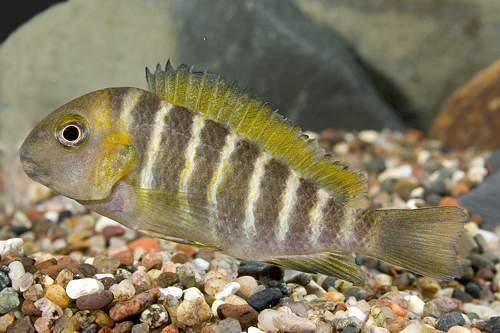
(192,294)
(415,203)
(103,275)
(215,305)
(173,291)
(423,157)
(482,311)
(383,279)
(477,161)
(16,270)
(457,176)
(125,290)
(103,222)
(356,312)
(89,261)
(252,329)
(25,281)
(412,328)
(201,264)
(402,171)
(82,287)
(417,192)
(309,298)
(49,309)
(266,320)
(52,216)
(488,236)
(293,324)
(311,135)
(368,136)
(229,289)
(11,247)
(415,304)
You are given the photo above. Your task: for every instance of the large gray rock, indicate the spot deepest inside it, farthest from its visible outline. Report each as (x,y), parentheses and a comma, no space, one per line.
(303,69)
(483,200)
(77,47)
(418,51)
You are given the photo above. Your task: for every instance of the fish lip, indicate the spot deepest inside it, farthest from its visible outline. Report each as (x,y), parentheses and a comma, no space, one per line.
(31,168)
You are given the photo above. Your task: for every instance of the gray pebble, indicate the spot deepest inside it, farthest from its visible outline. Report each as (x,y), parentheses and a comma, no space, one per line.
(446,321)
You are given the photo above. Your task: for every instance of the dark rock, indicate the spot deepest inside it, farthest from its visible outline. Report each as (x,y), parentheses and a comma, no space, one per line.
(473,315)
(23,325)
(342,324)
(245,314)
(461,295)
(302,278)
(404,280)
(108,282)
(64,215)
(312,68)
(166,279)
(328,282)
(250,268)
(29,309)
(481,261)
(482,246)
(87,270)
(4,280)
(123,327)
(446,321)
(180,258)
(41,226)
(493,325)
(473,289)
(351,329)
(265,299)
(271,273)
(356,292)
(485,274)
(95,301)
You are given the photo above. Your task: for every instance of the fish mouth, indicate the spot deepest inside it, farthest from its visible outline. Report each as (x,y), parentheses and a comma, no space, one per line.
(32,169)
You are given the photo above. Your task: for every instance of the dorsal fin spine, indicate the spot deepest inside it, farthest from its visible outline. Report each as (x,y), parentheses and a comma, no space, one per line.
(210,96)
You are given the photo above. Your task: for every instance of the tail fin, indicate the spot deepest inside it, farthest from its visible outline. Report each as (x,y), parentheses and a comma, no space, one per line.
(423,240)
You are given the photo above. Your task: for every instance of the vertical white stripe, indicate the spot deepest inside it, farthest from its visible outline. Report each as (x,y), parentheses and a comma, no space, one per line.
(288,203)
(225,154)
(316,213)
(254,192)
(154,144)
(129,102)
(194,142)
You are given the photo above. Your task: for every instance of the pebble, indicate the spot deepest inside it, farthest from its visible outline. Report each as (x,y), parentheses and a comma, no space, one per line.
(245,314)
(43,325)
(216,284)
(192,294)
(125,290)
(482,311)
(230,288)
(173,291)
(81,287)
(247,284)
(265,299)
(56,294)
(446,321)
(293,324)
(357,313)
(493,325)
(301,278)
(137,304)
(155,316)
(415,304)
(11,247)
(49,309)
(229,325)
(193,312)
(9,300)
(458,329)
(95,301)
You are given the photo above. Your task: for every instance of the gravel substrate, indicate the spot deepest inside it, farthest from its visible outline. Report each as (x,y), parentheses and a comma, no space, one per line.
(64,269)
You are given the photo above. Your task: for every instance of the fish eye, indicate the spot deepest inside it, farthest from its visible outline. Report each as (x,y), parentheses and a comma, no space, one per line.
(72,134)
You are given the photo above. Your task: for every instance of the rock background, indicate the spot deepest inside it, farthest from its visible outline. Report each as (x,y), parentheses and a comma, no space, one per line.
(345,64)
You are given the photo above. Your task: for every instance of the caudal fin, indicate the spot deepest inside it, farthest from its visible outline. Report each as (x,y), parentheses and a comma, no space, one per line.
(421,240)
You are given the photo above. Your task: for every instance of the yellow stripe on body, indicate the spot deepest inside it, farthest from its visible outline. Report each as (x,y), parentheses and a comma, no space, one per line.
(154,145)
(254,193)
(129,102)
(288,200)
(316,213)
(190,153)
(225,155)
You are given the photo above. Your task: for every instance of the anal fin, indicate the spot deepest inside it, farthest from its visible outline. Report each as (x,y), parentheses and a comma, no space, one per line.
(334,263)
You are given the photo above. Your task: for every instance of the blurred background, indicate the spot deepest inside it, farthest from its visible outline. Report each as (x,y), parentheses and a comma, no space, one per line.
(342,64)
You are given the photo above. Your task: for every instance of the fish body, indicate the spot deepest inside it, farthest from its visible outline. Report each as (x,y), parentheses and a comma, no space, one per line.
(197,161)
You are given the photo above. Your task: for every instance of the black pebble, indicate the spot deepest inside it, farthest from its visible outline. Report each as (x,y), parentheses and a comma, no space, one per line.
(64,215)
(350,329)
(250,268)
(166,279)
(446,321)
(265,299)
(87,270)
(271,273)
(461,295)
(356,292)
(302,278)
(493,325)
(328,282)
(473,289)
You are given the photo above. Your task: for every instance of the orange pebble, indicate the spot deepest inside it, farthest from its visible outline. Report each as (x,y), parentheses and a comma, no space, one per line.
(147,243)
(397,309)
(449,201)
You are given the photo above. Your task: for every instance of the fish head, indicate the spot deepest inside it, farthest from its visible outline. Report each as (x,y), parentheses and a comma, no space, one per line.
(78,150)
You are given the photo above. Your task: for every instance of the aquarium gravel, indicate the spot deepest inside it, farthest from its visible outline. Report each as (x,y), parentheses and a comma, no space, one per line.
(64,269)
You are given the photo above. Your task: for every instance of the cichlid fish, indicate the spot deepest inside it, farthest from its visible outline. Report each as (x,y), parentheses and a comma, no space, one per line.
(199,162)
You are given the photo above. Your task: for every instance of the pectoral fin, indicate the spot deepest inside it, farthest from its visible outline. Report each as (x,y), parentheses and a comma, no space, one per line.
(335,263)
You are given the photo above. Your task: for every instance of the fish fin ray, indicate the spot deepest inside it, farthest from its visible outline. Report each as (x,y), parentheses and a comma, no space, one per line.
(180,240)
(334,263)
(237,110)
(422,240)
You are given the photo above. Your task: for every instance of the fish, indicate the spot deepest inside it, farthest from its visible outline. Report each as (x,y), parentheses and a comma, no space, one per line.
(198,161)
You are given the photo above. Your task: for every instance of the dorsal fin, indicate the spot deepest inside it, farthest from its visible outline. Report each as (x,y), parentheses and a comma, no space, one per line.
(250,118)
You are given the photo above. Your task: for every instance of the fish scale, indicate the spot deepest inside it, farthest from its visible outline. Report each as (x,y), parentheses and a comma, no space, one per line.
(199,162)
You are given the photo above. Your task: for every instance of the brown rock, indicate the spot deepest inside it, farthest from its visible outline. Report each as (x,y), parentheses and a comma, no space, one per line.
(459,189)
(29,309)
(449,201)
(471,116)
(171,329)
(447,304)
(123,327)
(95,301)
(138,303)
(52,271)
(125,257)
(207,329)
(245,314)
(112,230)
